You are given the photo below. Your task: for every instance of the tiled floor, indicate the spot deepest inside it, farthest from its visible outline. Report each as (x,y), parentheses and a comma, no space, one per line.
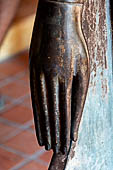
(19,149)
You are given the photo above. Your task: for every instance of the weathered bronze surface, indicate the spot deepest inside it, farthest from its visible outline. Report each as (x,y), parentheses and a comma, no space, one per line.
(59,75)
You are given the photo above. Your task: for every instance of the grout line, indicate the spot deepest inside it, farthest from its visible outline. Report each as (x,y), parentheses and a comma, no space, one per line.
(29,106)
(17,125)
(30,130)
(13,134)
(14,151)
(14,124)
(14,103)
(16,132)
(12,78)
(41,162)
(27,160)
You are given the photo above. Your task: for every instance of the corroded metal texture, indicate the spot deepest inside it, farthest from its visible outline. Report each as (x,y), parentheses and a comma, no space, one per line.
(59,75)
(95,136)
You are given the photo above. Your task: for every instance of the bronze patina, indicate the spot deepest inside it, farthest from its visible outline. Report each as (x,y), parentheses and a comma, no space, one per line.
(59,75)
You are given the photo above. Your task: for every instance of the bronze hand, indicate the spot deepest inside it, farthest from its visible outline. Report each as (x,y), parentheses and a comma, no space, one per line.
(59,75)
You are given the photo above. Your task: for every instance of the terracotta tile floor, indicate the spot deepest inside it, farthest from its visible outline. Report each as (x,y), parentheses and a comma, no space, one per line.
(19,149)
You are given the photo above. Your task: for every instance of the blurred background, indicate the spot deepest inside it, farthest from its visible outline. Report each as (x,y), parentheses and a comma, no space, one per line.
(19,149)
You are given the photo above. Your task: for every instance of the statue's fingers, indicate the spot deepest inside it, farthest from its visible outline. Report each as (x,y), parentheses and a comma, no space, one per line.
(79,92)
(45,118)
(35,104)
(53,102)
(65,115)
